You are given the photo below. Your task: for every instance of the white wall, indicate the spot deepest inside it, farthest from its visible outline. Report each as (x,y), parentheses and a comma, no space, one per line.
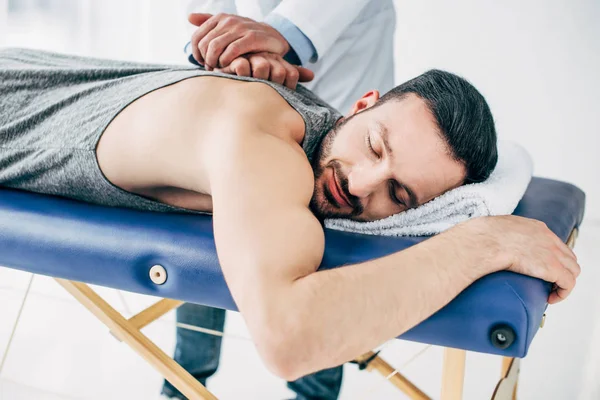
(140,30)
(3,20)
(537,63)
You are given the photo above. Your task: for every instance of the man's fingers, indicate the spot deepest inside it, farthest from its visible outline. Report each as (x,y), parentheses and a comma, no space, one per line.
(554,298)
(216,48)
(236,49)
(559,295)
(198,18)
(567,249)
(305,74)
(570,264)
(565,283)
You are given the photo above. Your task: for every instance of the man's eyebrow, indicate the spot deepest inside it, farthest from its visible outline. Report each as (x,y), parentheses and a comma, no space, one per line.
(385,133)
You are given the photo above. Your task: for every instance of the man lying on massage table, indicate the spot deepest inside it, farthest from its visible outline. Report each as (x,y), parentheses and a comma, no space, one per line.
(271,163)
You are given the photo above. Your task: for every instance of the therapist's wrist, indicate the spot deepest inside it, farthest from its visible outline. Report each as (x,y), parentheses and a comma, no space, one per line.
(301,50)
(276,35)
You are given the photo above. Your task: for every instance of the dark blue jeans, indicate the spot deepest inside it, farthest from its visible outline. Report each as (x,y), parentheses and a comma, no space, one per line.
(199,353)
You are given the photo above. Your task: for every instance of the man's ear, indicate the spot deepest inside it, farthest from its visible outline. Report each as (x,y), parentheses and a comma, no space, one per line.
(368,100)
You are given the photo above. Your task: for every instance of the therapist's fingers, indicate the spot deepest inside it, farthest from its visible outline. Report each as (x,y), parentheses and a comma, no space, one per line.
(216,46)
(261,67)
(205,42)
(278,71)
(240,67)
(198,18)
(268,66)
(252,41)
(292,75)
(233,51)
(200,34)
(297,74)
(305,74)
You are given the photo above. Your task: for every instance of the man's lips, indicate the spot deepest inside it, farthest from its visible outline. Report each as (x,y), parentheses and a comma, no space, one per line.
(336,191)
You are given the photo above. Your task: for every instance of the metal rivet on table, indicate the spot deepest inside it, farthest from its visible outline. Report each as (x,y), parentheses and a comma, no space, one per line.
(158,274)
(543,320)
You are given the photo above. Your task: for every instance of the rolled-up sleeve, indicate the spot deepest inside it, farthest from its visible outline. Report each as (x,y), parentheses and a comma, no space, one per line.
(321,24)
(302,50)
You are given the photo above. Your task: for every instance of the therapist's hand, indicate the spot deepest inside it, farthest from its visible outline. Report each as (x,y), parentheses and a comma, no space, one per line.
(270,67)
(222,38)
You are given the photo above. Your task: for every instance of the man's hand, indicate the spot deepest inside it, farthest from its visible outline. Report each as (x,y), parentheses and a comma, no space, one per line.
(270,67)
(528,247)
(222,38)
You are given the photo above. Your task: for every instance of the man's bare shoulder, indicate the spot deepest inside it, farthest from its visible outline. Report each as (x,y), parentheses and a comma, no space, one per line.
(256,124)
(263,105)
(262,152)
(261,186)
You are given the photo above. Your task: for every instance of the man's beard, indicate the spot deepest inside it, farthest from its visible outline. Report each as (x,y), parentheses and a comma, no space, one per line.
(323,203)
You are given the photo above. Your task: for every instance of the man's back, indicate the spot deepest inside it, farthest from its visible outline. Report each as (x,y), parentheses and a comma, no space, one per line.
(179,120)
(57,108)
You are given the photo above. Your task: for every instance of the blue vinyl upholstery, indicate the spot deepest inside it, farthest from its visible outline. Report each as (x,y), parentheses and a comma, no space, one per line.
(116,247)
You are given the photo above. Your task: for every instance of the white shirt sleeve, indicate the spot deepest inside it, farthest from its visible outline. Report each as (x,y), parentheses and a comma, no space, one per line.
(322,22)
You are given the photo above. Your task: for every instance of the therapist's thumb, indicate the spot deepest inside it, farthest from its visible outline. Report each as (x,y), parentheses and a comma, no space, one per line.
(198,18)
(305,74)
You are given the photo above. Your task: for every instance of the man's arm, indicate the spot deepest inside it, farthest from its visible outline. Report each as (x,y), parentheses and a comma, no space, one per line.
(270,245)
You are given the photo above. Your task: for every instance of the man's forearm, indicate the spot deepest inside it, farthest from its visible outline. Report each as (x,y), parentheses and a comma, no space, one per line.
(342,313)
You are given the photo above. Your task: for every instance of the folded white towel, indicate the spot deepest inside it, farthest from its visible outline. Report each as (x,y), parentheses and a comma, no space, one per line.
(497,195)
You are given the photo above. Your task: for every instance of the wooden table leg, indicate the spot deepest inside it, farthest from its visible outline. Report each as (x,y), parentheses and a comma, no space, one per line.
(453,375)
(125,331)
(373,362)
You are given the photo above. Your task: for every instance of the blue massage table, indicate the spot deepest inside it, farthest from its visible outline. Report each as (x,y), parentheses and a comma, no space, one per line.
(173,256)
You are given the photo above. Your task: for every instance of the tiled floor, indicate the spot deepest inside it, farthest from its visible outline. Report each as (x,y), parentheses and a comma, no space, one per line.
(61,352)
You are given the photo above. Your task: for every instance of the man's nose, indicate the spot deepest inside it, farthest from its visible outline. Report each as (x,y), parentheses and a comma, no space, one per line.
(362,180)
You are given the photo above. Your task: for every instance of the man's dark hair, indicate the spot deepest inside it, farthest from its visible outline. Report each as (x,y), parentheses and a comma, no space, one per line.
(463,117)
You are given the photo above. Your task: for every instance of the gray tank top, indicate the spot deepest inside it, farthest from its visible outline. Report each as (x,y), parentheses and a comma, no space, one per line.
(54,109)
